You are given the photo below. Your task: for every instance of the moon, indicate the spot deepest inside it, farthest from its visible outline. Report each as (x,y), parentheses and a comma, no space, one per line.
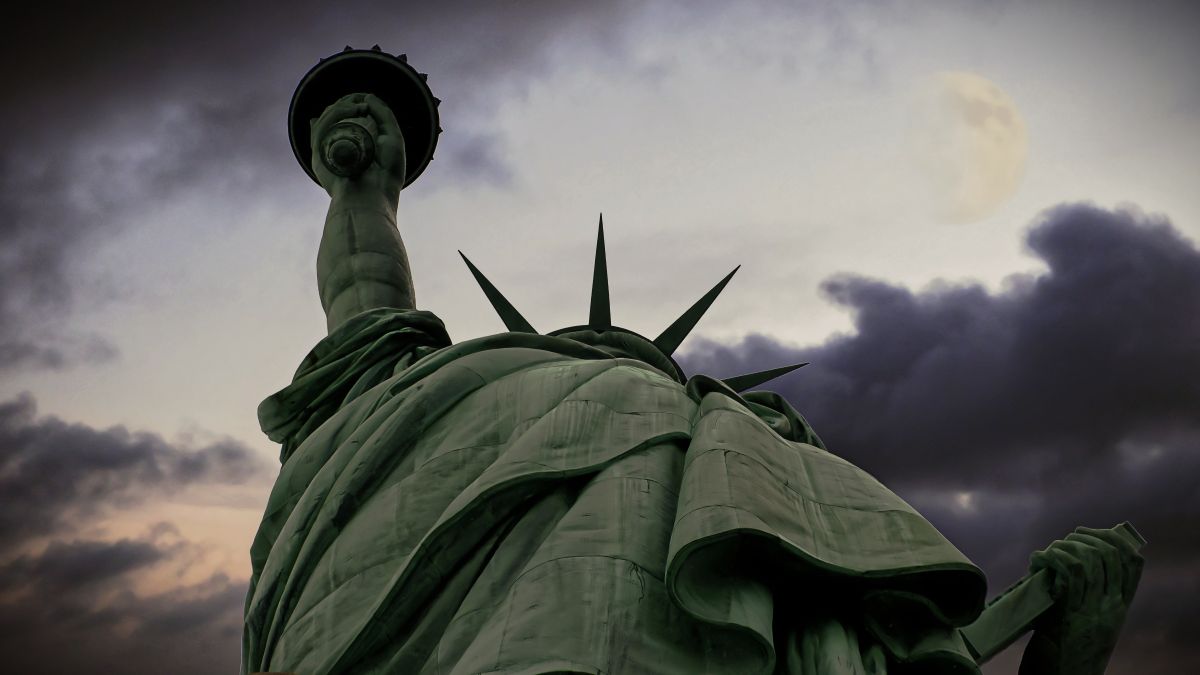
(971,144)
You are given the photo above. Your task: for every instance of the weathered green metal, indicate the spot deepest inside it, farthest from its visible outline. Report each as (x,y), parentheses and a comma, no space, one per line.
(741,383)
(670,339)
(523,503)
(517,501)
(371,71)
(600,312)
(508,314)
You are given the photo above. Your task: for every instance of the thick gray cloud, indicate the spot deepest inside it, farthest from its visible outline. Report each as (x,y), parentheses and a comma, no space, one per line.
(1092,361)
(125,61)
(66,598)
(69,566)
(1009,418)
(55,476)
(106,628)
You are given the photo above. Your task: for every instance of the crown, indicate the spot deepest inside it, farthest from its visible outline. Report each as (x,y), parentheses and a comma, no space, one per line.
(660,349)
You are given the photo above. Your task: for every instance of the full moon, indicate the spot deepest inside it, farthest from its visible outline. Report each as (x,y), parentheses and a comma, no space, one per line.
(971,144)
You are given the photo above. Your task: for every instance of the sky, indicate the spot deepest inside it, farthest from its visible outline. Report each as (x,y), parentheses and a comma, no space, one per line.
(977,221)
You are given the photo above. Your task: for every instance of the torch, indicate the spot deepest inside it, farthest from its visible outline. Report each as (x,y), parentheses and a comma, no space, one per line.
(349,147)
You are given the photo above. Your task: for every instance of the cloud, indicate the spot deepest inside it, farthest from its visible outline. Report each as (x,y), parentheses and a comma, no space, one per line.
(55,207)
(106,628)
(33,266)
(477,156)
(55,475)
(1009,418)
(70,600)
(74,565)
(1078,357)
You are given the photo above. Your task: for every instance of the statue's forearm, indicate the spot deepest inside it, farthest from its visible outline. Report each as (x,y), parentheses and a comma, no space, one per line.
(361,263)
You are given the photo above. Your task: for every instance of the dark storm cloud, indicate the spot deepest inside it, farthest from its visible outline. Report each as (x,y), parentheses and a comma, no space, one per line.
(55,475)
(1066,367)
(67,597)
(32,262)
(124,60)
(72,565)
(191,629)
(1009,418)
(126,105)
(56,206)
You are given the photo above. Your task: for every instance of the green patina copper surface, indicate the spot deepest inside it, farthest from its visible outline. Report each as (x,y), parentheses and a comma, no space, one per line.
(526,503)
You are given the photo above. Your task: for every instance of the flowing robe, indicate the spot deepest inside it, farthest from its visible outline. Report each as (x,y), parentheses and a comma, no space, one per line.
(527,504)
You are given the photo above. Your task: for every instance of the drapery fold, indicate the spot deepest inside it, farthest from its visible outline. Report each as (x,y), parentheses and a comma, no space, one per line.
(529,504)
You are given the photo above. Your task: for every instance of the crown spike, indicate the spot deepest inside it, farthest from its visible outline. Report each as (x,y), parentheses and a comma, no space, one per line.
(600,314)
(741,383)
(508,314)
(674,335)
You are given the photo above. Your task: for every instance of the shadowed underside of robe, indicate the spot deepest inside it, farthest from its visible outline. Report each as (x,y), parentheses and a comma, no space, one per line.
(527,504)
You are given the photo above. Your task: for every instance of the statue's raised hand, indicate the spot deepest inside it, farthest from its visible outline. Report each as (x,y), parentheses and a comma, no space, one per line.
(384,174)
(1095,575)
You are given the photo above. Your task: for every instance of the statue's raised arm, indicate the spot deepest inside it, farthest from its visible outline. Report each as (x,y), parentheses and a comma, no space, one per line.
(364,125)
(361,263)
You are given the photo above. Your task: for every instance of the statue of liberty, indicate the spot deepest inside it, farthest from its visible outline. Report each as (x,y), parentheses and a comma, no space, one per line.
(573,502)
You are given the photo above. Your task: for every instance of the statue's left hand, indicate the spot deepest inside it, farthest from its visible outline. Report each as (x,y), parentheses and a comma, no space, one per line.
(1096,573)
(385,175)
